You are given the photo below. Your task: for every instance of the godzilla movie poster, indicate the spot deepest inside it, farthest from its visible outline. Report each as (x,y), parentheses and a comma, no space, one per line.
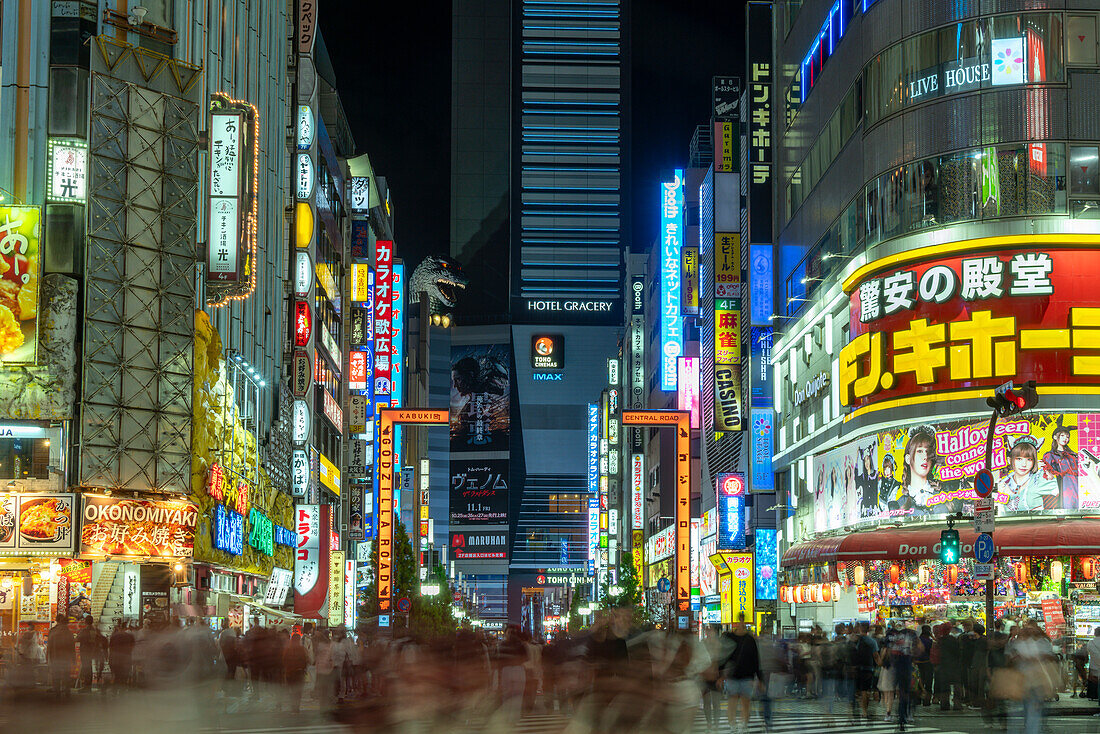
(480,387)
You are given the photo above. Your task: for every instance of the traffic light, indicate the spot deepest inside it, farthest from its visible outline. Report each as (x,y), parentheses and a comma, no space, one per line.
(949,546)
(1013,400)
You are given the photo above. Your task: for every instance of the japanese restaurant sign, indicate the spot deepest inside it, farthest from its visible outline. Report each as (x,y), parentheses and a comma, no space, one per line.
(972,318)
(146,528)
(31,523)
(224,224)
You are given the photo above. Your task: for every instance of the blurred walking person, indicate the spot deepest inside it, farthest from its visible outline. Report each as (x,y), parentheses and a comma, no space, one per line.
(27,661)
(60,655)
(741,675)
(295,664)
(864,648)
(712,642)
(120,655)
(88,641)
(324,666)
(511,661)
(922,661)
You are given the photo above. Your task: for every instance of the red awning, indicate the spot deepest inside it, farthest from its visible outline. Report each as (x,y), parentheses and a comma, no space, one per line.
(1046,537)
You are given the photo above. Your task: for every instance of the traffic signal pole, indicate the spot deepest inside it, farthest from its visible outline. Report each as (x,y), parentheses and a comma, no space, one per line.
(990,583)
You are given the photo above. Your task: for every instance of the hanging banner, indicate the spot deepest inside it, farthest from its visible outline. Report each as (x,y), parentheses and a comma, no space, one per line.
(336,588)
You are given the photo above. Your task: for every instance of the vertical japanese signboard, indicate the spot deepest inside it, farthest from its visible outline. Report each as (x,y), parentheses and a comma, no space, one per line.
(224,222)
(311,559)
(759,53)
(729,413)
(731,511)
(672,223)
(383,302)
(336,588)
(637,482)
(689,280)
(681,422)
(388,418)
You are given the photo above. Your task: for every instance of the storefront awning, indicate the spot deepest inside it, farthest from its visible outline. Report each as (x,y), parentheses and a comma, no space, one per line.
(1047,537)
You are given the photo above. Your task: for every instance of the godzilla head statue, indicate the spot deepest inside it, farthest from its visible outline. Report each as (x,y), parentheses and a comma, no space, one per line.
(441,278)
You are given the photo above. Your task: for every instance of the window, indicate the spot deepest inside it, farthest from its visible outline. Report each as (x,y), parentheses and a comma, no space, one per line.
(1083,177)
(568,503)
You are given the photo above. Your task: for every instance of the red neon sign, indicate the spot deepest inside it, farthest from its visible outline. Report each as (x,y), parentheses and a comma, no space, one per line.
(303,324)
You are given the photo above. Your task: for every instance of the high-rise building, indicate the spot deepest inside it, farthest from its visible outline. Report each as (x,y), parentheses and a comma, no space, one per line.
(936,190)
(540,220)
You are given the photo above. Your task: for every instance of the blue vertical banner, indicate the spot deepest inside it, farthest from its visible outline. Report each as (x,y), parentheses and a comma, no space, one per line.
(593,449)
(731,511)
(760,366)
(763,479)
(761,288)
(766,556)
(672,239)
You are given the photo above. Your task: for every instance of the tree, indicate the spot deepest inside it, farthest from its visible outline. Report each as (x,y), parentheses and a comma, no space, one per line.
(580,598)
(428,615)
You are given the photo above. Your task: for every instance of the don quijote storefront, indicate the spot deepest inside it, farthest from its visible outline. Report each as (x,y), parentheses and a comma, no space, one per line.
(874,472)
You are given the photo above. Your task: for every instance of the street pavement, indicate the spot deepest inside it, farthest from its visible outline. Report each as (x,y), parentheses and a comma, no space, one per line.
(200,712)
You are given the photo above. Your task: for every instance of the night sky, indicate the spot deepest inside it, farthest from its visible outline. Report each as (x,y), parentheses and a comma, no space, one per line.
(393,73)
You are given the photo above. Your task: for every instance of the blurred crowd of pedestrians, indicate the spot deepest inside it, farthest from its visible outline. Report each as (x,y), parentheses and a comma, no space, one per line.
(606,678)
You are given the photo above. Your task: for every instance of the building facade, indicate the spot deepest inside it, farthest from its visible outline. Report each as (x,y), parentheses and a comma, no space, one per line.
(934,175)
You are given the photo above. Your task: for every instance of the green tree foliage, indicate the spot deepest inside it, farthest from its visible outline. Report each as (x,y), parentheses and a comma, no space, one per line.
(427,615)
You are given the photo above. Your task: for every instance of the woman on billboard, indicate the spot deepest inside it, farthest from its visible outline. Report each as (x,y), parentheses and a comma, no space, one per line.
(918,480)
(1025,484)
(1061,461)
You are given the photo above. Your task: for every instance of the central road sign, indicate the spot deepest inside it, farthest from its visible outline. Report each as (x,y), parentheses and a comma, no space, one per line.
(983,483)
(983,548)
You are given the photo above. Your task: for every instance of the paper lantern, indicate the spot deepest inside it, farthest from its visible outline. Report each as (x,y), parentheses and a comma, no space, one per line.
(1056,571)
(951,574)
(836,592)
(859,575)
(923,575)
(895,573)
(798,595)
(827,592)
(1088,567)
(1019,570)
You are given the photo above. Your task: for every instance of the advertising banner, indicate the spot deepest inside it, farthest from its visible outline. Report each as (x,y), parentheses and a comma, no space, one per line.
(672,238)
(963,323)
(687,388)
(763,480)
(311,571)
(1041,462)
(278,586)
(148,528)
(21,255)
(731,511)
(760,366)
(479,490)
(766,553)
(727,265)
(30,523)
(729,412)
(637,482)
(383,302)
(480,408)
(335,588)
(689,280)
(742,589)
(483,544)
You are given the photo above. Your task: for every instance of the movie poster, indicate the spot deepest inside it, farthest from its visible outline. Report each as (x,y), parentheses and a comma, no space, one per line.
(1040,461)
(480,386)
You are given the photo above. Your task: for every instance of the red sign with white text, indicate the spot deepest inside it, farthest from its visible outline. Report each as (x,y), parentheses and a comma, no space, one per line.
(973,320)
(383,307)
(303,324)
(357,370)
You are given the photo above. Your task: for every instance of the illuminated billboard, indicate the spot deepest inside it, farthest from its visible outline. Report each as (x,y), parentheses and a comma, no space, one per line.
(688,388)
(672,224)
(957,324)
(731,493)
(1041,462)
(21,262)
